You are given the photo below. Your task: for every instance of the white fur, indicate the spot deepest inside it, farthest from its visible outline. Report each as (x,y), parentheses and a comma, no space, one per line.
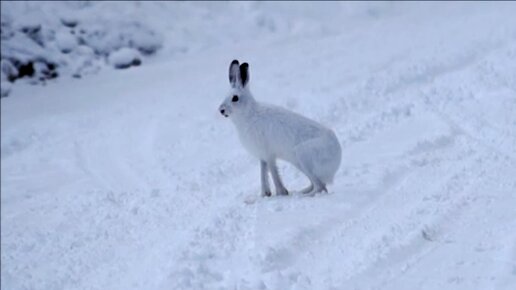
(270,132)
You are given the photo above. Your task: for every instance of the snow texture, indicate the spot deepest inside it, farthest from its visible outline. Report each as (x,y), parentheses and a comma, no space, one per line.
(131,179)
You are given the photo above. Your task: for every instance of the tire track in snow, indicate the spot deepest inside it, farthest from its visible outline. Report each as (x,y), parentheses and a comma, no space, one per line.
(225,239)
(362,248)
(434,228)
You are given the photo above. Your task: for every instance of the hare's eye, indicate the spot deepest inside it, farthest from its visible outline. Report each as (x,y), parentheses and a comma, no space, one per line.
(235,98)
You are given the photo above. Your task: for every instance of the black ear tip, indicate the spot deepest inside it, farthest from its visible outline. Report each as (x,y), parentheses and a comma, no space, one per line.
(245,65)
(234,62)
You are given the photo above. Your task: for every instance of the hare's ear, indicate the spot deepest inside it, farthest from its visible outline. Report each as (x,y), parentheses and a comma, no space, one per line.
(234,74)
(244,73)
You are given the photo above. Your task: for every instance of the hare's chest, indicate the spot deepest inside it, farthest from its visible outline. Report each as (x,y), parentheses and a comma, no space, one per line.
(255,140)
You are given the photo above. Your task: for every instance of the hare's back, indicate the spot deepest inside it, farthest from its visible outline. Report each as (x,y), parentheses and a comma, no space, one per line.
(291,127)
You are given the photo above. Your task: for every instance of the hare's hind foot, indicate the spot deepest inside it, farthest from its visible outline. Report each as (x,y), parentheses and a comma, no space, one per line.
(308,189)
(282,191)
(312,190)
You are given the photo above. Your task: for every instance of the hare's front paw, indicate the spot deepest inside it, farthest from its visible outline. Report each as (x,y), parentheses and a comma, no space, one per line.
(266,193)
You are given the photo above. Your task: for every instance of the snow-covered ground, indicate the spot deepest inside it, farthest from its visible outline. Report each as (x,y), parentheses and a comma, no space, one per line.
(133,180)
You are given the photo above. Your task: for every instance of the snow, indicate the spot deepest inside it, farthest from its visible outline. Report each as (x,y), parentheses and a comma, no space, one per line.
(131,179)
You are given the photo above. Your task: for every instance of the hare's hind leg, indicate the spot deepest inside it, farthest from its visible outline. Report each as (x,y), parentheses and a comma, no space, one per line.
(280,188)
(309,155)
(316,186)
(264,169)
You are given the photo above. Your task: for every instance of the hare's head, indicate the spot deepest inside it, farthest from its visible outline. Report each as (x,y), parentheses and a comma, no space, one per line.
(239,99)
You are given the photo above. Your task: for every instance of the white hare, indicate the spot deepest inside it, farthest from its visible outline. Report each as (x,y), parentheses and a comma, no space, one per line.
(269,132)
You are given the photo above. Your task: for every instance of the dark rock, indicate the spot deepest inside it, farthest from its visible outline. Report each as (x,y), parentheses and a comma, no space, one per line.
(26,70)
(69,22)
(136,62)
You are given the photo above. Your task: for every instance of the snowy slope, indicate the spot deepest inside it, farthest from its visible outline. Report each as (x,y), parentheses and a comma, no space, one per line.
(132,179)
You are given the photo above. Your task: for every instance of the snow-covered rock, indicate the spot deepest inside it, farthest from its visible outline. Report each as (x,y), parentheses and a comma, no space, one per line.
(65,41)
(124,58)
(62,35)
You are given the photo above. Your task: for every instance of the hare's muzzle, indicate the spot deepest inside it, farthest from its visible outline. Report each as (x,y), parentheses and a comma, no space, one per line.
(223,112)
